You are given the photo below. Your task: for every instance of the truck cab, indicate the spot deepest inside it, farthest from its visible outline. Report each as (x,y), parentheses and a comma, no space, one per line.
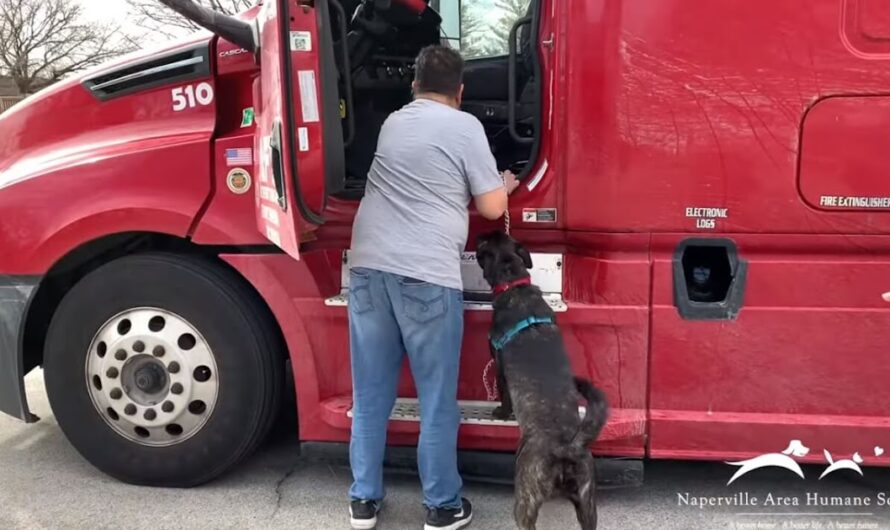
(701,188)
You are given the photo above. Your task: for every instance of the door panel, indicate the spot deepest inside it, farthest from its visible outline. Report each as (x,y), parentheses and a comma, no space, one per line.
(804,358)
(844,157)
(291,191)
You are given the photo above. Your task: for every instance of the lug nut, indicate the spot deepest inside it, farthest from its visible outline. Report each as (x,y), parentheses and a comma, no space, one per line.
(150,414)
(176,388)
(173,367)
(116,393)
(130,409)
(139,346)
(112,372)
(167,406)
(158,351)
(120,355)
(202,374)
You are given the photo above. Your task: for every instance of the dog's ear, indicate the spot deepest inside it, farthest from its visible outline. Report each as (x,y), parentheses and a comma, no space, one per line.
(484,257)
(481,241)
(524,254)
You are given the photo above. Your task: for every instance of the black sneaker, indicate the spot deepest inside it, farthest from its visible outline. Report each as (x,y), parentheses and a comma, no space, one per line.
(363,514)
(449,518)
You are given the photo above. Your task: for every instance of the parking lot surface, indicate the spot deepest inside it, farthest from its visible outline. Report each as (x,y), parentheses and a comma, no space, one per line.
(45,484)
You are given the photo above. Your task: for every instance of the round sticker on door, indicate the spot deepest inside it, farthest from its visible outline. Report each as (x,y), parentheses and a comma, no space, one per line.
(238,181)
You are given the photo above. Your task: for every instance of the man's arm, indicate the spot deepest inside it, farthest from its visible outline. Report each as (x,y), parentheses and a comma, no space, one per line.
(488,188)
(493,204)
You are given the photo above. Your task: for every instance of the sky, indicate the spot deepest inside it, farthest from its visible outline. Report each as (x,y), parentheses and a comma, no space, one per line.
(115,11)
(111,10)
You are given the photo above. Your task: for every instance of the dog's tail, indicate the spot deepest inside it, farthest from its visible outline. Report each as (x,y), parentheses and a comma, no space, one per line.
(572,460)
(597,412)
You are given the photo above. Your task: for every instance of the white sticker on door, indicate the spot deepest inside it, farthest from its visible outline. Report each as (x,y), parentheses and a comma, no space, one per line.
(273,235)
(539,215)
(308,95)
(303,133)
(300,41)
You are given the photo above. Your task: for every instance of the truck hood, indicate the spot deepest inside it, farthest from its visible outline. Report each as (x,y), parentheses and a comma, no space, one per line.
(65,125)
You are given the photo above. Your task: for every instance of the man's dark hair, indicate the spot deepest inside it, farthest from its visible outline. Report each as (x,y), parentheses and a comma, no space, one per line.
(439,69)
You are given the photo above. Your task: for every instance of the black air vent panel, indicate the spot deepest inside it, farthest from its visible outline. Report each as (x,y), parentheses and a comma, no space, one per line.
(183,65)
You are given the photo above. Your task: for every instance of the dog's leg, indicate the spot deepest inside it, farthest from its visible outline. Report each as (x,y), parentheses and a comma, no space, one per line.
(528,488)
(585,498)
(526,508)
(505,410)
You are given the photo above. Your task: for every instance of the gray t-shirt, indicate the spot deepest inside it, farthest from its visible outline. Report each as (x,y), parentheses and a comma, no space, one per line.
(431,160)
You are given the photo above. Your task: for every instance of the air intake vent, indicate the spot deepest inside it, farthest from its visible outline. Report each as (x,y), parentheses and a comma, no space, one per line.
(151,73)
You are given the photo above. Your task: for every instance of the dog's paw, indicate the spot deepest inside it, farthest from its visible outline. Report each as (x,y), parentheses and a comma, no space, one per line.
(500,413)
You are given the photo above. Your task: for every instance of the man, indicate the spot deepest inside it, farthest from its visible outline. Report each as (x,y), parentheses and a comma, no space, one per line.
(405,288)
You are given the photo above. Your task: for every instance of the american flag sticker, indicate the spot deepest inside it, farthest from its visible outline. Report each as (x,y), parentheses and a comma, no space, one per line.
(242,156)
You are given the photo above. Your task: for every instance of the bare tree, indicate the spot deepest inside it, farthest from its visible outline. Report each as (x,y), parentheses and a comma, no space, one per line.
(42,41)
(511,11)
(157,19)
(475,37)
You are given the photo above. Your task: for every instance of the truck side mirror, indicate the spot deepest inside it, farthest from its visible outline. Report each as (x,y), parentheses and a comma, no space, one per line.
(227,27)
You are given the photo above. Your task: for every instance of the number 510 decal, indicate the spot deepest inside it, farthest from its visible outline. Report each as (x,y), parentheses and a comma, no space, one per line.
(189,97)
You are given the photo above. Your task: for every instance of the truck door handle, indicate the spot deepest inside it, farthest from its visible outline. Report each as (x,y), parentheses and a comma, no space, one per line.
(278,165)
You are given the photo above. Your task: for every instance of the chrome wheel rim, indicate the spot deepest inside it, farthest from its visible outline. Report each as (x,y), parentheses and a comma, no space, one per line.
(152,377)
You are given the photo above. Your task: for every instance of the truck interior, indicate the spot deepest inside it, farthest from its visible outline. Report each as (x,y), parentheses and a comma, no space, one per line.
(374,43)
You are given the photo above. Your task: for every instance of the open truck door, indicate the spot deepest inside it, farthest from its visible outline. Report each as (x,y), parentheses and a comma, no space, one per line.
(289,97)
(299,137)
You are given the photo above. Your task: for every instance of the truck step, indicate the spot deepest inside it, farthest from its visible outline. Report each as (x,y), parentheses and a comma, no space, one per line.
(471,412)
(476,418)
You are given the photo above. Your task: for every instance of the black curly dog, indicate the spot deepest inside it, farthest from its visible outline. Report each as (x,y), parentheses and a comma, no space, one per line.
(535,379)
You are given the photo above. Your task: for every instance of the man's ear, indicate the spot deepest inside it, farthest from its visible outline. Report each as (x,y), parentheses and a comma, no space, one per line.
(524,254)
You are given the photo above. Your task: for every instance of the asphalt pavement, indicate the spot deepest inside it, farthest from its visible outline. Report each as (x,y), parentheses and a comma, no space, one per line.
(45,484)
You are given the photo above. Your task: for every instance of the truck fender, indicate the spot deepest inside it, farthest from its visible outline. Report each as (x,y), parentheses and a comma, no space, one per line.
(17,292)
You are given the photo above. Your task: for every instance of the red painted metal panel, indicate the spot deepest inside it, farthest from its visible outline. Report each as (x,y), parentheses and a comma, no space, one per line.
(676,105)
(844,160)
(804,359)
(655,113)
(606,340)
(73,168)
(288,140)
(874,19)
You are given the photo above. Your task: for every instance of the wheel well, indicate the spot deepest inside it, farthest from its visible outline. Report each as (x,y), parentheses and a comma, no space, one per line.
(88,257)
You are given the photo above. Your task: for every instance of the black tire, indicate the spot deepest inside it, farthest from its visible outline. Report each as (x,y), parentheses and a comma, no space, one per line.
(238,329)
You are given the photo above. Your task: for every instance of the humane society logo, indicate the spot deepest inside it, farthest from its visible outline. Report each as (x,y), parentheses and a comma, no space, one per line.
(785,460)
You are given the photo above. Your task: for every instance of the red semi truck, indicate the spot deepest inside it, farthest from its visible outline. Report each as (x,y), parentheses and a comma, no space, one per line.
(704,187)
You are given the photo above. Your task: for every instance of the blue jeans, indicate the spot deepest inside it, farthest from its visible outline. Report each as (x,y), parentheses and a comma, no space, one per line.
(388,316)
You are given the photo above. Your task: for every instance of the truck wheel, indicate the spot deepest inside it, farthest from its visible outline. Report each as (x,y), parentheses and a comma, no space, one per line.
(163,370)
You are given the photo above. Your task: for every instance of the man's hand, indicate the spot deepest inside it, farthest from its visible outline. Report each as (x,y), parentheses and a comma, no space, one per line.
(510,181)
